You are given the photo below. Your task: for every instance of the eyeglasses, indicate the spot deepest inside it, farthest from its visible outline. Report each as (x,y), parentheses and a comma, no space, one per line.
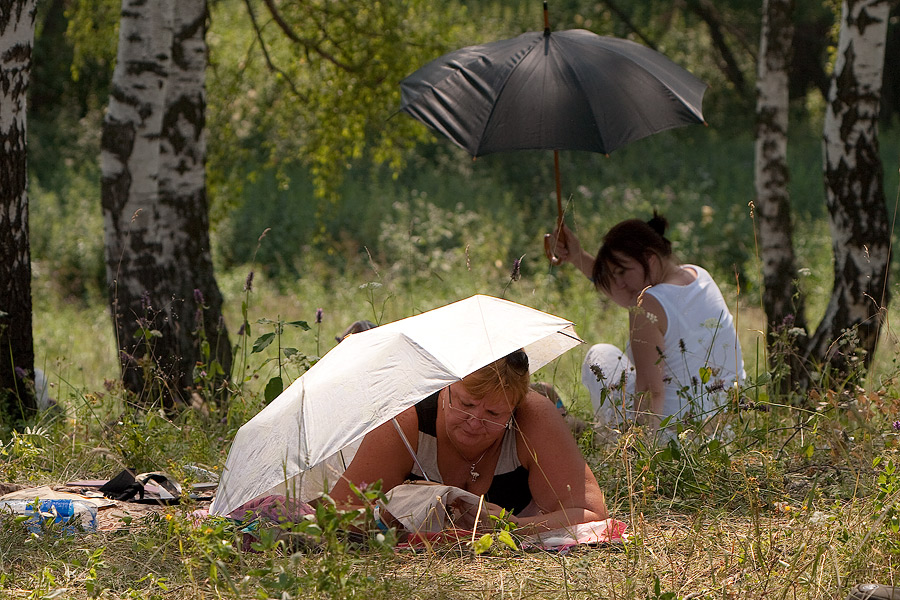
(518,362)
(488,424)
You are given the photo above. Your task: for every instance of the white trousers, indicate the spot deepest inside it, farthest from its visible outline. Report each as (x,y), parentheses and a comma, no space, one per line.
(608,374)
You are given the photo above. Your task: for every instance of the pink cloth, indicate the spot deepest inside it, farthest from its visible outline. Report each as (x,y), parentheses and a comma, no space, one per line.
(274,508)
(609,531)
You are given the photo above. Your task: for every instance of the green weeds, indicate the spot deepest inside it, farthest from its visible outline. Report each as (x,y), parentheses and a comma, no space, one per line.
(790,491)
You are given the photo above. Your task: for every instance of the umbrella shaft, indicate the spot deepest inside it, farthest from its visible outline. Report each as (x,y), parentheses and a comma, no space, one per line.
(409,447)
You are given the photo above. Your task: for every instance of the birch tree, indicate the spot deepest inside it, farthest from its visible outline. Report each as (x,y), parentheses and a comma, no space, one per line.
(182,182)
(854,191)
(16,345)
(773,208)
(165,304)
(782,300)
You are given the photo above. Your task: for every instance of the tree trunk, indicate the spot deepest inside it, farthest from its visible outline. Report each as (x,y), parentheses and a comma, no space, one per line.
(854,187)
(165,304)
(182,189)
(16,342)
(782,301)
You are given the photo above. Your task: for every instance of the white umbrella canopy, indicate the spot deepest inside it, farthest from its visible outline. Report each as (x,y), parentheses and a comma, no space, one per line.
(368,379)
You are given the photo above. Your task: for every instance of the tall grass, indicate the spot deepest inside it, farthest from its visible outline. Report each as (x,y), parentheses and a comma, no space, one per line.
(790,502)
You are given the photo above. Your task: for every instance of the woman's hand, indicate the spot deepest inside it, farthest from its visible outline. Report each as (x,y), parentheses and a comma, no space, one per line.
(465,515)
(564,246)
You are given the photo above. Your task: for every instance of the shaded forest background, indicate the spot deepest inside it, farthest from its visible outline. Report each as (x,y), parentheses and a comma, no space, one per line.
(348,191)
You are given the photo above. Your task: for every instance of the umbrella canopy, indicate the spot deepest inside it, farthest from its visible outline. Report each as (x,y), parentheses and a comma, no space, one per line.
(369,378)
(561,90)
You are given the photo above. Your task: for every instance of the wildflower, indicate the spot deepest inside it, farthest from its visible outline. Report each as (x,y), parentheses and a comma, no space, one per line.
(319,313)
(516,273)
(198,296)
(241,330)
(248,285)
(788,321)
(896,425)
(145,300)
(21,373)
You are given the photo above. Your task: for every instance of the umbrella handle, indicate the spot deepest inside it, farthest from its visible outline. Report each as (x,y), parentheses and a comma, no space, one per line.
(560,239)
(560,233)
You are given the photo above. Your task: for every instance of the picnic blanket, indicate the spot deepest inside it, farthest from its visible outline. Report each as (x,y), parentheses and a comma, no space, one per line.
(429,514)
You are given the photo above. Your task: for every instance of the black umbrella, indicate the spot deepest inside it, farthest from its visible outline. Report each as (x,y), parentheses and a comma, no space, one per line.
(565,90)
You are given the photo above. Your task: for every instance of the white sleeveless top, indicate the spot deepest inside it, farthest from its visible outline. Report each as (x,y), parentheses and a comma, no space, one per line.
(700,334)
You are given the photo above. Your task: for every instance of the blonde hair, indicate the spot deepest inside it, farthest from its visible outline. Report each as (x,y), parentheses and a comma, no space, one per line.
(508,376)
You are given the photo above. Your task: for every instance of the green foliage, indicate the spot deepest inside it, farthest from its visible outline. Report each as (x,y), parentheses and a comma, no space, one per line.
(334,88)
(22,454)
(93,31)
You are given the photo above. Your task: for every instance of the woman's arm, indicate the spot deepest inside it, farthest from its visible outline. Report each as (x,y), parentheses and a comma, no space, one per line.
(648,323)
(382,455)
(561,483)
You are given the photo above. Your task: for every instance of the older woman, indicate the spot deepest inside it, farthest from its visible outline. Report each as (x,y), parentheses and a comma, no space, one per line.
(491,435)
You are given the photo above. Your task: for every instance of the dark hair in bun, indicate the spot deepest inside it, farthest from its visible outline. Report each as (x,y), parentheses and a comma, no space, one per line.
(634,239)
(659,224)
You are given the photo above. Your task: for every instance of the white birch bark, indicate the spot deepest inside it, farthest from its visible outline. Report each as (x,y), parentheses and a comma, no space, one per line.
(17,19)
(154,197)
(135,227)
(773,210)
(182,186)
(854,186)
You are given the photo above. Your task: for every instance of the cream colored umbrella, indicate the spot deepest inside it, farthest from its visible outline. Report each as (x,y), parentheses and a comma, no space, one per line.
(300,442)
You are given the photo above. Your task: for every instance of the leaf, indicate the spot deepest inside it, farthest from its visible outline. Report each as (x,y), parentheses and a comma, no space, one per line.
(289,352)
(705,374)
(273,388)
(262,343)
(505,538)
(301,324)
(483,544)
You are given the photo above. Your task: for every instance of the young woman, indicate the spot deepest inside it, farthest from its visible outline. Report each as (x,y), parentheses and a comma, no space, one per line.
(683,353)
(491,435)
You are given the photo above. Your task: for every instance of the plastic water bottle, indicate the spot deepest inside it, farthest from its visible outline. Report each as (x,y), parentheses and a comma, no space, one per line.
(73,515)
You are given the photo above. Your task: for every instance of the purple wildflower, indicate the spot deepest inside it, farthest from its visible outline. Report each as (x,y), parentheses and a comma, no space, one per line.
(896,425)
(21,373)
(198,296)
(145,301)
(516,273)
(319,314)
(248,285)
(241,330)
